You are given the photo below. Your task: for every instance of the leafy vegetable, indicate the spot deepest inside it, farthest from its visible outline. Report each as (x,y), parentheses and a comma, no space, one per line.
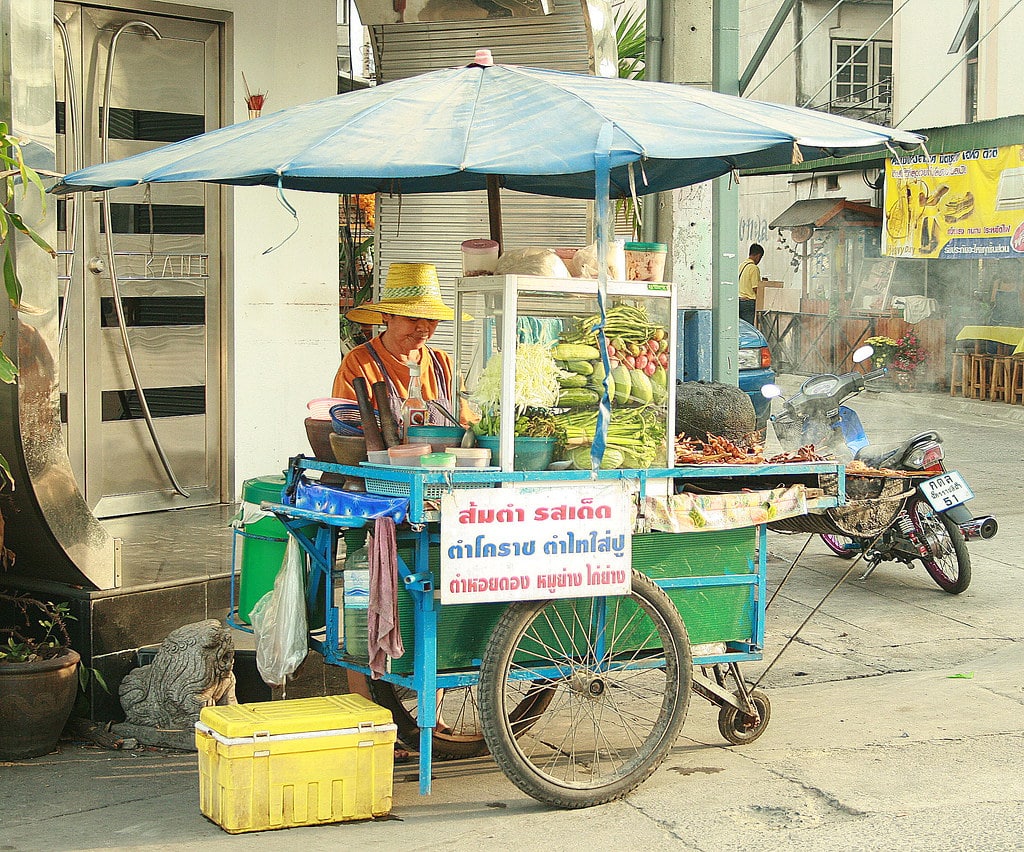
(536,380)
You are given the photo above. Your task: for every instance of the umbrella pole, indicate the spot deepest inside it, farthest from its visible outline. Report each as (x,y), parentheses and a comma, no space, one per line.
(494,209)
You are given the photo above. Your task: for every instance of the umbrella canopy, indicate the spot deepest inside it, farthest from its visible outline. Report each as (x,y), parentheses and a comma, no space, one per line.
(537,131)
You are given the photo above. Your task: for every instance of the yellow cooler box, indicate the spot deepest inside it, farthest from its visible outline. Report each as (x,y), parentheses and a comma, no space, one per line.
(304,762)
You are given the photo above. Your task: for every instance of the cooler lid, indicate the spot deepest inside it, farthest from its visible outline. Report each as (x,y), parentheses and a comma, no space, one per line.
(294,716)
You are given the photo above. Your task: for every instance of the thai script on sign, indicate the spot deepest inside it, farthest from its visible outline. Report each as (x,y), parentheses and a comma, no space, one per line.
(525,544)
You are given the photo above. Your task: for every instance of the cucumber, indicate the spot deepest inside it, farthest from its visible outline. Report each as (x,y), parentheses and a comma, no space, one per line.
(572,380)
(578,398)
(575,352)
(584,368)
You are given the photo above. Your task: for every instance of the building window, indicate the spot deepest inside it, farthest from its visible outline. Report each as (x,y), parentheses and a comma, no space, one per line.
(862,74)
(966,39)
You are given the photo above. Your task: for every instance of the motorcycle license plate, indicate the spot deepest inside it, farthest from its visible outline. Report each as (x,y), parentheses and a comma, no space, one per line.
(946,490)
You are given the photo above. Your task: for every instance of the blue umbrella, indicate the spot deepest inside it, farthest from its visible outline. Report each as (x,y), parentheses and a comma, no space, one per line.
(535,130)
(486,126)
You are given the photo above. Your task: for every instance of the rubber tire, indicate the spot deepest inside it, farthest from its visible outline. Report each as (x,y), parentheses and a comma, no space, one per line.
(512,752)
(922,514)
(729,719)
(468,740)
(833,543)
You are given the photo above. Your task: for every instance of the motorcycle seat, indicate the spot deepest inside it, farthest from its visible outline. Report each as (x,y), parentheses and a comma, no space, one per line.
(892,455)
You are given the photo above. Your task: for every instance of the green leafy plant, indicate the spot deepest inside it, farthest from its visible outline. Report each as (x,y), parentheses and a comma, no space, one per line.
(631,42)
(39,631)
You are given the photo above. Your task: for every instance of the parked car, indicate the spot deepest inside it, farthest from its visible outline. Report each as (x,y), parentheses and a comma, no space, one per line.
(755,366)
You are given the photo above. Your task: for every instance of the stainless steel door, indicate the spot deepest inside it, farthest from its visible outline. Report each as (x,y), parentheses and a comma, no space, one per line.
(164,84)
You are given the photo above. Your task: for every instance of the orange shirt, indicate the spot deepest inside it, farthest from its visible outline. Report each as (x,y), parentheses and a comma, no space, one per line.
(359,362)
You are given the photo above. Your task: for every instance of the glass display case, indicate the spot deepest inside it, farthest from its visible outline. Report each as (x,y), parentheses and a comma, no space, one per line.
(527,358)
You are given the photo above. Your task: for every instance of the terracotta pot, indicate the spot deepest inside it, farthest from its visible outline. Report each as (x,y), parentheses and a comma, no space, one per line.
(36,700)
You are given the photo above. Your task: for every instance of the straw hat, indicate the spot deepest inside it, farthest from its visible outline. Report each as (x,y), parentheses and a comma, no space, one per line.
(411,290)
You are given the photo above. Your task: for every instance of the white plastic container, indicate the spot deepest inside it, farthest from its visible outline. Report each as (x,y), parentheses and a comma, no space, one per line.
(470,456)
(479,257)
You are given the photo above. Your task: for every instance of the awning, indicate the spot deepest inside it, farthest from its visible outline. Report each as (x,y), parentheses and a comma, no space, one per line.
(994,133)
(818,212)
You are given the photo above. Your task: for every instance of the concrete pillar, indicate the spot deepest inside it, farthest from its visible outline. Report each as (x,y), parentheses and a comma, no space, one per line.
(704,261)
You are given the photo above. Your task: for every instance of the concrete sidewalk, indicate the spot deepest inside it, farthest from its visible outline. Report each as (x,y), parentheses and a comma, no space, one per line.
(895,722)
(926,760)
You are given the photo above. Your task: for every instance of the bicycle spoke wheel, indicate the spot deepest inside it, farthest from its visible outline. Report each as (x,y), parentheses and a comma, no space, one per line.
(460,735)
(457,709)
(616,673)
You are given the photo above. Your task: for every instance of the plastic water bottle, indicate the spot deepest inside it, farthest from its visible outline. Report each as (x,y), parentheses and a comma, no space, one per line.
(357,602)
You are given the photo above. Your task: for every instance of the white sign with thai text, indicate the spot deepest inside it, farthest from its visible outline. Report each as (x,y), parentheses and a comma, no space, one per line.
(513,544)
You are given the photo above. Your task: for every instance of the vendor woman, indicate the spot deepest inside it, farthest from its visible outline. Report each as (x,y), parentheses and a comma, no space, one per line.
(410,307)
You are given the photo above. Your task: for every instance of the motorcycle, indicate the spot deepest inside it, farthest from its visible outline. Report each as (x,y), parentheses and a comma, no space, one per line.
(933,524)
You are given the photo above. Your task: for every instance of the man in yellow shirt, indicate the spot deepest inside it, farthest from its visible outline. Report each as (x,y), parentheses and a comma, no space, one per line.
(750,279)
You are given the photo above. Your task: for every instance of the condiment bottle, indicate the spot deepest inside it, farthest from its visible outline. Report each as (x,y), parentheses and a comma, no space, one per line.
(414,409)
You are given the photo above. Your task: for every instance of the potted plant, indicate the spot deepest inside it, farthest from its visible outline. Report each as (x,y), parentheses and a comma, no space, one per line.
(901,356)
(38,676)
(537,433)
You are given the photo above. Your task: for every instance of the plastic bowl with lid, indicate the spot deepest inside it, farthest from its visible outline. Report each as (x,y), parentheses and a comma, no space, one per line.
(407,455)
(470,456)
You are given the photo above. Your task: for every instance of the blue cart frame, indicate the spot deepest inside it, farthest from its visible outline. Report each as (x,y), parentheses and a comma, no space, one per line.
(321,546)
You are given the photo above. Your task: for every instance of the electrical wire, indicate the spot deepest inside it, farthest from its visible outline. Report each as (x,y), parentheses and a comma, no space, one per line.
(959,62)
(853,55)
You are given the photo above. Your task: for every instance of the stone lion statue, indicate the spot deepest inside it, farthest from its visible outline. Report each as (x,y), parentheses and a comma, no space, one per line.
(191,670)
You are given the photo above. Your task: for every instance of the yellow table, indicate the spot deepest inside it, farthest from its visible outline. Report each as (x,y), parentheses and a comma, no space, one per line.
(1005,334)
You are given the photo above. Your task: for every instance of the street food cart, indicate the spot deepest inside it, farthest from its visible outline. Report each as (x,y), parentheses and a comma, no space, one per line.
(581,689)
(562,617)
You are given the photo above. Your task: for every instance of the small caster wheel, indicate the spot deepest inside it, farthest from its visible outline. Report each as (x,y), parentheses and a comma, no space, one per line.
(739,728)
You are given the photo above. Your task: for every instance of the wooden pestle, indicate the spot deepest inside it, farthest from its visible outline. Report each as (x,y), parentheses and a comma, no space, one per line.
(387,417)
(371,431)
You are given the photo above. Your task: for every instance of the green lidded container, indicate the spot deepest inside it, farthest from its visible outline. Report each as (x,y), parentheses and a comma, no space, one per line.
(261,559)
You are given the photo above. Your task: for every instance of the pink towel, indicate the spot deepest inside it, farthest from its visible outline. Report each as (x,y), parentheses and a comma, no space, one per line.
(385,637)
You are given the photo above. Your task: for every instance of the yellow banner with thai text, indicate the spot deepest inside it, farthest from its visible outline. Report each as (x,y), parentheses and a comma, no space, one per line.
(960,205)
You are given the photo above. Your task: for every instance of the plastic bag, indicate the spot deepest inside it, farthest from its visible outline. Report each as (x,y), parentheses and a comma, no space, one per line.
(584,262)
(279,620)
(531,261)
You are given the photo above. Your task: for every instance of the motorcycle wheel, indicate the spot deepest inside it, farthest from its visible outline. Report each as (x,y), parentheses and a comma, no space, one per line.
(948,562)
(840,545)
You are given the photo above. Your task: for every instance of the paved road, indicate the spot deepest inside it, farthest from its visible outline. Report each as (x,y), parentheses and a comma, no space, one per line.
(895,724)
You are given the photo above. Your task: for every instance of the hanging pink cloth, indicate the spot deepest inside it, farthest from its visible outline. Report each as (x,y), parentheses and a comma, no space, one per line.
(384,634)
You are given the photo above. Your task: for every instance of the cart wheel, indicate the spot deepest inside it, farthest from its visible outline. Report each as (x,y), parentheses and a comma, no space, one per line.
(739,728)
(617,672)
(459,710)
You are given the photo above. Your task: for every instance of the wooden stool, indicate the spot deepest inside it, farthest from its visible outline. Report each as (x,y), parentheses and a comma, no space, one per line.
(999,383)
(980,376)
(1015,393)
(958,374)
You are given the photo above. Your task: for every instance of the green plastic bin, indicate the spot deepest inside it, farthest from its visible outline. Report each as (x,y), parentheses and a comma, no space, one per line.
(260,557)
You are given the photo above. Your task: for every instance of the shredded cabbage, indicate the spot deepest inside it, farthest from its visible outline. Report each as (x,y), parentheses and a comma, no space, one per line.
(536,380)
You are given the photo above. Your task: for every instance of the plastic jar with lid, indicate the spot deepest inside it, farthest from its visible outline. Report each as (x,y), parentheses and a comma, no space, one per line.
(645,261)
(479,257)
